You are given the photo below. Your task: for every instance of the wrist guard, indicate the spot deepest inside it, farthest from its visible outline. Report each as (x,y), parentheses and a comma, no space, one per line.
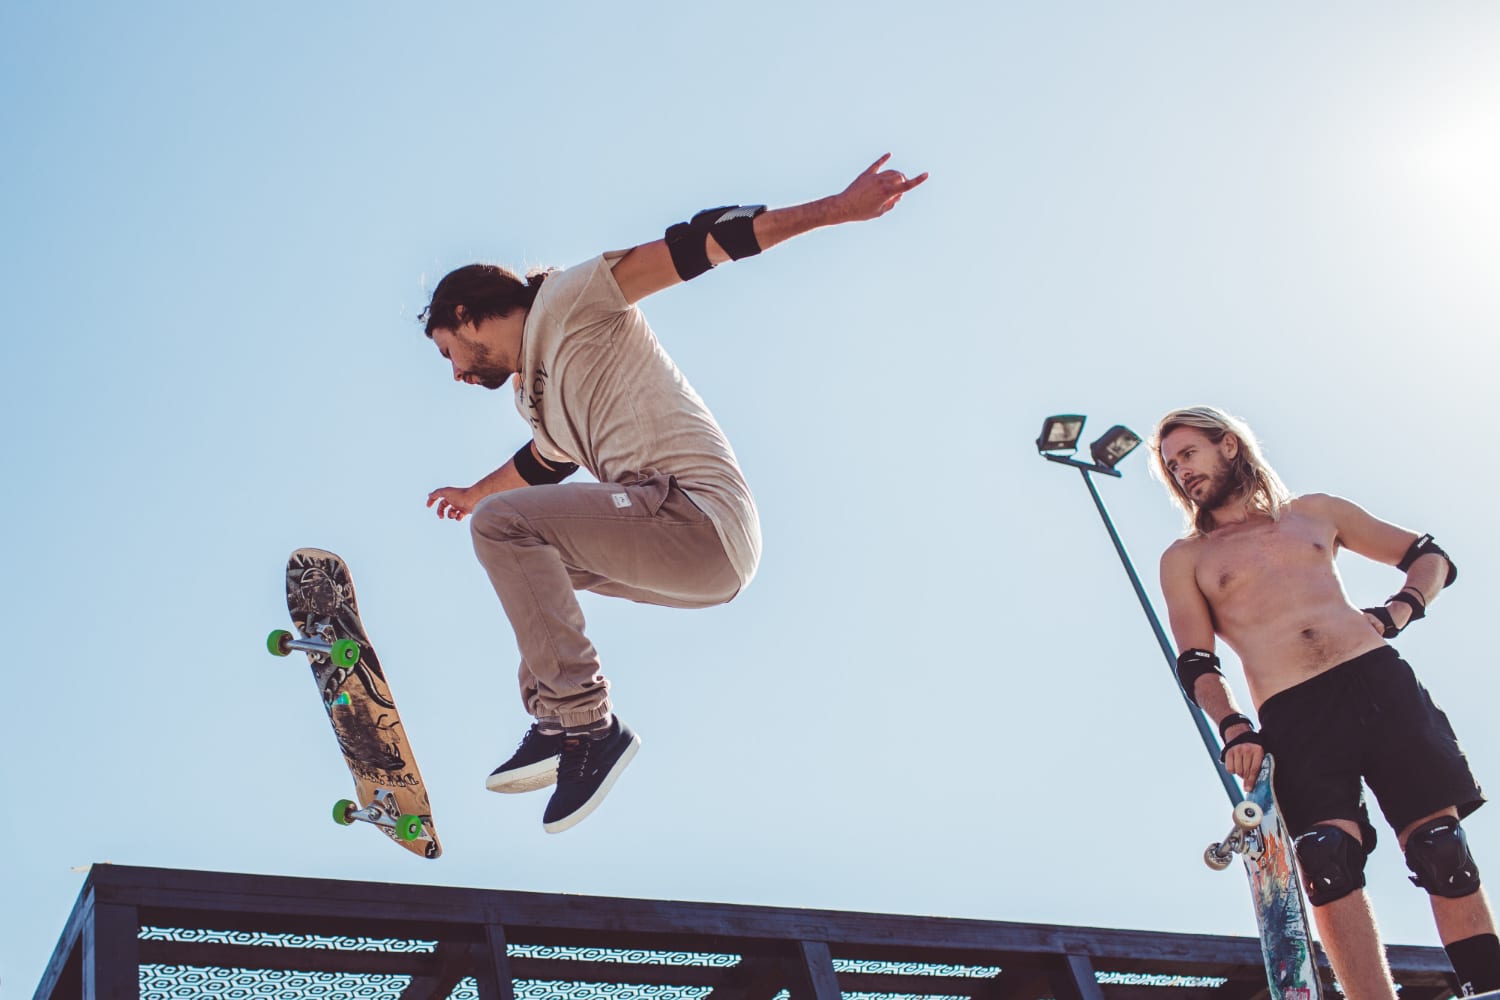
(1251,737)
(1388,624)
(1413,600)
(537,474)
(1233,720)
(732,227)
(1425,546)
(1193,664)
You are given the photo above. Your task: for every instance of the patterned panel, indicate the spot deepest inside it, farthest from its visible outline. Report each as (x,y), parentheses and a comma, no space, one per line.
(181,982)
(1157,979)
(186,935)
(531,989)
(631,956)
(916,968)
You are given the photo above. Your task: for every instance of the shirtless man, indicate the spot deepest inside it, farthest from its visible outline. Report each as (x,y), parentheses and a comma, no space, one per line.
(670,520)
(1336,702)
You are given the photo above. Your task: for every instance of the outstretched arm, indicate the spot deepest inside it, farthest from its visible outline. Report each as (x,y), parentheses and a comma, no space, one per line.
(648,268)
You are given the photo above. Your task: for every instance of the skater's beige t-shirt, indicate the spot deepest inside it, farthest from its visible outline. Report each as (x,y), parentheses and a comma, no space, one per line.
(598,390)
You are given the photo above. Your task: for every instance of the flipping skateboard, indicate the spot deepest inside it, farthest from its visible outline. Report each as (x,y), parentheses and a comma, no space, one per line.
(1261,839)
(388,787)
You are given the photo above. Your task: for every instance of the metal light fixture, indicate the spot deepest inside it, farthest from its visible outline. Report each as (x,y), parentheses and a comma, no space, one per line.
(1116,443)
(1061,433)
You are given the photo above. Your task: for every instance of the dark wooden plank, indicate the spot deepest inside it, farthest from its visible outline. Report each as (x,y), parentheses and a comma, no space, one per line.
(1073,978)
(813,975)
(492,971)
(111,953)
(62,979)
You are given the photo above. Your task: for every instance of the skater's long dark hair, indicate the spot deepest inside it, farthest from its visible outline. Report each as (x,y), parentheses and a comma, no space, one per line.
(484,291)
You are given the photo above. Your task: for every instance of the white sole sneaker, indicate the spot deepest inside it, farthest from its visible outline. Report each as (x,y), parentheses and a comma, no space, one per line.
(578,815)
(524,779)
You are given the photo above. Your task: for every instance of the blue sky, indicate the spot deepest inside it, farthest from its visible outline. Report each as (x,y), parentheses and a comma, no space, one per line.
(220,222)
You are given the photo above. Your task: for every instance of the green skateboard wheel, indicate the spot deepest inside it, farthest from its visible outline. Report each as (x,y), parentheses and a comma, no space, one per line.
(277,640)
(345,653)
(341,810)
(409,827)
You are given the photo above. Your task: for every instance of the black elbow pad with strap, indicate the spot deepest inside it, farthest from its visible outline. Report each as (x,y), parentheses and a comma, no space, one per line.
(1425,546)
(732,227)
(1193,664)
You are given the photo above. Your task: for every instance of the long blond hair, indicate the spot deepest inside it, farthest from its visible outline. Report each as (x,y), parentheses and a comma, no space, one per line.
(1257,482)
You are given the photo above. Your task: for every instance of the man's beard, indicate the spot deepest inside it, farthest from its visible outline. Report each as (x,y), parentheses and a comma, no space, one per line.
(1222,487)
(490,373)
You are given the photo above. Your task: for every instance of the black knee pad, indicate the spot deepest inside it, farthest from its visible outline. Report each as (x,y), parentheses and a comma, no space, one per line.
(1332,863)
(1437,853)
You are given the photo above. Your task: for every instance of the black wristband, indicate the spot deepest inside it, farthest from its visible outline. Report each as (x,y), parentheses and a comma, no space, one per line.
(1411,600)
(1233,720)
(1388,628)
(1251,737)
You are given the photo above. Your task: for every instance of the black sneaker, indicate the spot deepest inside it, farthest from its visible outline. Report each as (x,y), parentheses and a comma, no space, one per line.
(532,766)
(589,768)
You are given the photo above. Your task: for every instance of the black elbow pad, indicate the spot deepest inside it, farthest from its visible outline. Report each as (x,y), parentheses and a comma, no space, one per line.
(1193,664)
(1425,546)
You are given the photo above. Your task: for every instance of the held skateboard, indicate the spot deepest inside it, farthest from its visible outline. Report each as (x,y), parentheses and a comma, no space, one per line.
(389,792)
(1261,839)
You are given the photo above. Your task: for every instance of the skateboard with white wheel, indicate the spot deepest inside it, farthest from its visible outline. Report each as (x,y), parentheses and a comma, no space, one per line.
(389,793)
(1260,838)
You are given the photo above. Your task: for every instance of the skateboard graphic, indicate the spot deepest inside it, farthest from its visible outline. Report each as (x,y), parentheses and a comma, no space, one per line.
(1261,839)
(389,792)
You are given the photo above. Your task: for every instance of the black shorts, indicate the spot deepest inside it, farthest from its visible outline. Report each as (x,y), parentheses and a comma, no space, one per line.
(1367,718)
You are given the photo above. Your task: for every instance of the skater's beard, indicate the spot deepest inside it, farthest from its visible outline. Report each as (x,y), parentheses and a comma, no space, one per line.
(486,368)
(1222,487)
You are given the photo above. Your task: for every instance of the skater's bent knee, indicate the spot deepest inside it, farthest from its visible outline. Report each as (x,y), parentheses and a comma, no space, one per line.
(1332,862)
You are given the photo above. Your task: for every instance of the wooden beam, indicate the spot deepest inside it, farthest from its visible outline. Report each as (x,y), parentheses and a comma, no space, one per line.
(815,978)
(63,977)
(492,971)
(111,952)
(1073,978)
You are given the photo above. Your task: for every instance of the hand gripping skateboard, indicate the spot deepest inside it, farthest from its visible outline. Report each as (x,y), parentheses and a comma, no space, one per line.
(389,792)
(1261,839)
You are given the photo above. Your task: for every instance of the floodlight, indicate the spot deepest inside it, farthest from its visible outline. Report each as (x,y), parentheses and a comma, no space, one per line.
(1116,443)
(1061,433)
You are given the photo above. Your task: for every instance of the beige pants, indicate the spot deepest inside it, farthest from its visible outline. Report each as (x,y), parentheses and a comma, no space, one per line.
(643,541)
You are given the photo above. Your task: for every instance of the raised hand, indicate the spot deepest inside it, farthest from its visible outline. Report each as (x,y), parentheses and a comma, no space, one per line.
(874,192)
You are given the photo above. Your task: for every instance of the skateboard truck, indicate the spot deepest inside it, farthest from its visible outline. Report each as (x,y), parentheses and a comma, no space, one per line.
(383,813)
(1246,838)
(340,652)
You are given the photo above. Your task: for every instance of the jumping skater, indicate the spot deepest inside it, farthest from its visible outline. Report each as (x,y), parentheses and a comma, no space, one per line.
(670,520)
(1337,703)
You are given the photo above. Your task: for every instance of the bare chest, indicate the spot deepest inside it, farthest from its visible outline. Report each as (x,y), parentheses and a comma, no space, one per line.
(1265,559)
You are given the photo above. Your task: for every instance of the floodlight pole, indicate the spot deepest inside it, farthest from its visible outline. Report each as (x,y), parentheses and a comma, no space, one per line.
(1210,740)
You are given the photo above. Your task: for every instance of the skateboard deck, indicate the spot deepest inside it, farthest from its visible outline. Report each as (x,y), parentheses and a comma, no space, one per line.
(389,792)
(1262,841)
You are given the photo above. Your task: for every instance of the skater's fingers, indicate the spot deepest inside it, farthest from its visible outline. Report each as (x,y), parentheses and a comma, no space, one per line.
(874,167)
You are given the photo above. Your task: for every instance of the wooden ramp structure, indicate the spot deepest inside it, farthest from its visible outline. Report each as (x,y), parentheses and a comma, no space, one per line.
(163,934)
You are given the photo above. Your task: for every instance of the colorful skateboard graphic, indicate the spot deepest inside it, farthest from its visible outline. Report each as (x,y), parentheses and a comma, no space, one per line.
(388,787)
(1280,911)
